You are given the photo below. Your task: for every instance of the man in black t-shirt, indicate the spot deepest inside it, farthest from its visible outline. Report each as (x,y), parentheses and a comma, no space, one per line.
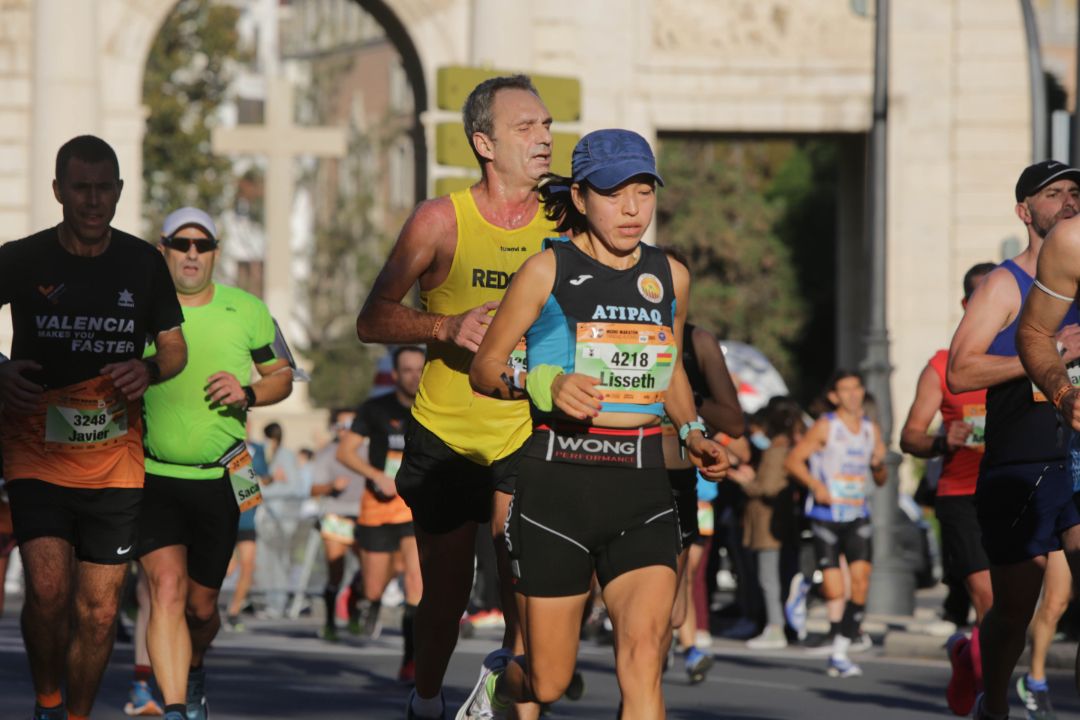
(385,525)
(84,300)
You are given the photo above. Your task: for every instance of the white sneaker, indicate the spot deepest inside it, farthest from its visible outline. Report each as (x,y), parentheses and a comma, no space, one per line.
(772,638)
(862,643)
(480,705)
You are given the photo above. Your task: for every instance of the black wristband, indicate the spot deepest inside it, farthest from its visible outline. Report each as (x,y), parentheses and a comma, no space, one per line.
(154,369)
(940,445)
(249,395)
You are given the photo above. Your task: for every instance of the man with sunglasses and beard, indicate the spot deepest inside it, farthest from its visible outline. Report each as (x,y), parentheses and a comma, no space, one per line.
(198,472)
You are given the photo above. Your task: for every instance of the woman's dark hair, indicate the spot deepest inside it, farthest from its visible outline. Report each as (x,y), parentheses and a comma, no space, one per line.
(559,205)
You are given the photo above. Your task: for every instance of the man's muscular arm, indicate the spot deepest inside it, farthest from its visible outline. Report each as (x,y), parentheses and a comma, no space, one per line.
(991,308)
(383,318)
(425,247)
(1036,340)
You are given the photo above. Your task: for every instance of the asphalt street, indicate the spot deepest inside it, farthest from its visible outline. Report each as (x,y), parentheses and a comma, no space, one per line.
(281,670)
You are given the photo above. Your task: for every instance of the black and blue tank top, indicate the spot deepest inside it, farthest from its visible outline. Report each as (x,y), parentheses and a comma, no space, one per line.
(1021,426)
(612,324)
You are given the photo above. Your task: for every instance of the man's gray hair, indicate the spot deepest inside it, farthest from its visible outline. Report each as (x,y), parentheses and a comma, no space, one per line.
(477,113)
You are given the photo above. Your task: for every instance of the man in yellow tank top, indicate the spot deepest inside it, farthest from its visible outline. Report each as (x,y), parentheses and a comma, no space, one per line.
(461,449)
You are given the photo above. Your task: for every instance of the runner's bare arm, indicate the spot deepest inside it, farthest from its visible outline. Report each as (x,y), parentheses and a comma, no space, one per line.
(17,392)
(274,385)
(529,290)
(1036,337)
(991,308)
(132,377)
(796,463)
(348,454)
(721,410)
(707,455)
(913,438)
(423,252)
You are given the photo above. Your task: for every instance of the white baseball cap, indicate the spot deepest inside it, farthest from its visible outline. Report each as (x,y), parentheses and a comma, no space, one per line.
(187,217)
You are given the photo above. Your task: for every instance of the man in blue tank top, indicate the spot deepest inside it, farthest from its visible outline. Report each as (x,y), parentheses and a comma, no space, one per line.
(1024,493)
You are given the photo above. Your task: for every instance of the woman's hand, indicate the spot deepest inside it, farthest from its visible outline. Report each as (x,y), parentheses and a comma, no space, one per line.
(708,456)
(576,395)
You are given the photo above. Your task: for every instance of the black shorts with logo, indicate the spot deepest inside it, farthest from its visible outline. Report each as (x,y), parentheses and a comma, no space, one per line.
(445,490)
(961,537)
(684,491)
(852,539)
(383,538)
(99,523)
(201,515)
(581,514)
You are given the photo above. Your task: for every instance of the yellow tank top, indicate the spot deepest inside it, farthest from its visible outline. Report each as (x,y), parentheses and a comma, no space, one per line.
(479,428)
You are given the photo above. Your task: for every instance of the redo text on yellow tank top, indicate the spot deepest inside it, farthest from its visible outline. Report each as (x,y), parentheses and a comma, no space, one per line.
(479,428)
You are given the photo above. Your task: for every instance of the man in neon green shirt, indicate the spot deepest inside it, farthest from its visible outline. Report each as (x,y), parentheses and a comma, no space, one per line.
(198,473)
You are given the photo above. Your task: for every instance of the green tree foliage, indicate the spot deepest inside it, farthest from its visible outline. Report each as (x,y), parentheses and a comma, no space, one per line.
(187,77)
(754,227)
(351,240)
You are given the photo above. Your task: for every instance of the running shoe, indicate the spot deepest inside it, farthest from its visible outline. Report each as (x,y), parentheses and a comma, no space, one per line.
(174,715)
(481,704)
(197,709)
(233,623)
(328,633)
(407,672)
(795,607)
(862,643)
(411,715)
(141,700)
(370,624)
(697,665)
(772,638)
(54,713)
(841,667)
(1036,702)
(576,689)
(960,692)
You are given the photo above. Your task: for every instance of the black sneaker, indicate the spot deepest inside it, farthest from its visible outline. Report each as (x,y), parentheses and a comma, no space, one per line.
(54,713)
(1036,702)
(197,708)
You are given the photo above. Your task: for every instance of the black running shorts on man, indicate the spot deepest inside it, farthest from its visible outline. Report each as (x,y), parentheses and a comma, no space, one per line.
(201,515)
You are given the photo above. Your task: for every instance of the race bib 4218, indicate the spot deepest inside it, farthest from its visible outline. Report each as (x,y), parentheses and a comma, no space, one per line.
(634,362)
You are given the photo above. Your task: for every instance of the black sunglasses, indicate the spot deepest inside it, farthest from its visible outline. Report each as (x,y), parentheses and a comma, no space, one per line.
(181,244)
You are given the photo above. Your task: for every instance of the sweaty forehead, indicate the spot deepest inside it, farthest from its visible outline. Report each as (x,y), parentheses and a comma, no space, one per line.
(514,104)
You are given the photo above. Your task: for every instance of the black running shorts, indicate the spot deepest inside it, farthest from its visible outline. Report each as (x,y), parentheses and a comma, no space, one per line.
(383,538)
(961,537)
(851,539)
(568,520)
(1023,509)
(684,491)
(99,523)
(445,490)
(201,515)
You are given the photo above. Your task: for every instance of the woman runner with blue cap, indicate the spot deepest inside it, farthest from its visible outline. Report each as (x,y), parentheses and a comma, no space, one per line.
(602,314)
